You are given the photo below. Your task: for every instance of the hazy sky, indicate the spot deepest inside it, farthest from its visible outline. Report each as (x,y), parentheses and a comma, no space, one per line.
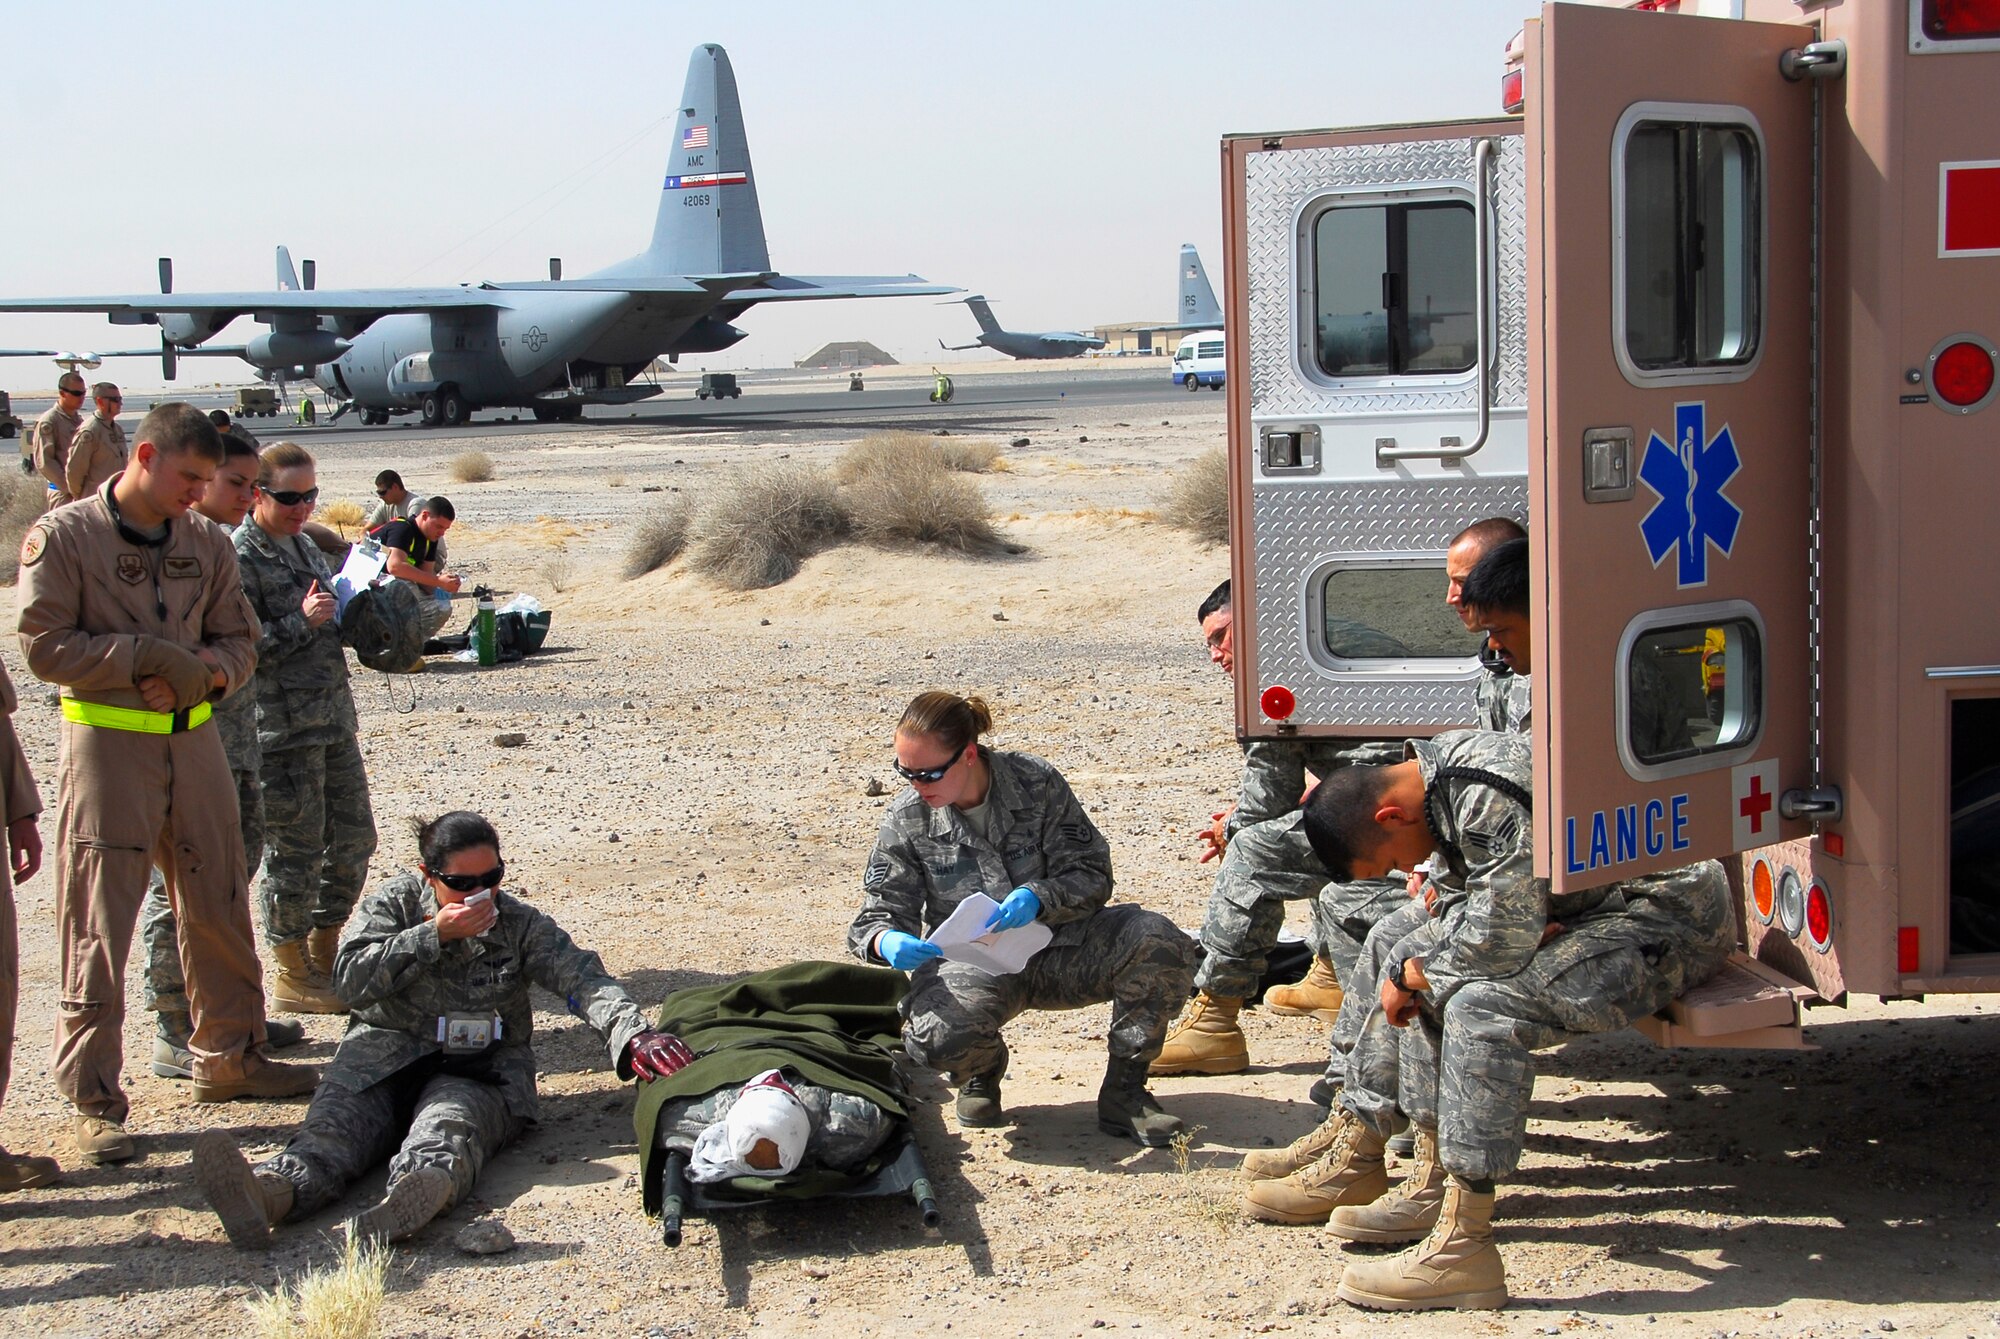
(1052,156)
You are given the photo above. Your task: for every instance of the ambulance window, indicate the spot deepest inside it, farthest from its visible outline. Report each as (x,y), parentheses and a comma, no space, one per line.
(1388,612)
(1692,689)
(1394,289)
(1689,274)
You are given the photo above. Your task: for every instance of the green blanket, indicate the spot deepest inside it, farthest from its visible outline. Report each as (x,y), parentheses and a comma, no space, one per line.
(835,1023)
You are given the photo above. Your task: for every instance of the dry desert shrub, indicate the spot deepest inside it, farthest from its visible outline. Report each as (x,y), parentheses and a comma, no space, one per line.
(341,1301)
(898,452)
(471,467)
(22,499)
(1198,499)
(762,523)
(556,571)
(970,457)
(924,506)
(661,535)
(341,513)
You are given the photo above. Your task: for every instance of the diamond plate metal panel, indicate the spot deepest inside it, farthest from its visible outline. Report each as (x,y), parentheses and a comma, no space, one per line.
(1279,183)
(1298,526)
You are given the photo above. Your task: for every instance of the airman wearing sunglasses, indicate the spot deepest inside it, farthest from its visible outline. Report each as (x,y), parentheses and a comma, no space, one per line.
(98,450)
(138,614)
(317,816)
(439,1062)
(54,431)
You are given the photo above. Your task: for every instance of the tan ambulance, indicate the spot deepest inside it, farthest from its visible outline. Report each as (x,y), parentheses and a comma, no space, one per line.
(1711,309)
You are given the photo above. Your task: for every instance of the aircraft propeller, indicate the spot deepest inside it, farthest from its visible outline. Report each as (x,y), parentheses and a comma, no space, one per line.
(169,361)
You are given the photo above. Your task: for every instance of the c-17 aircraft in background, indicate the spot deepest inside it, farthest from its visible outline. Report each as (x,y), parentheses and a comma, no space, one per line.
(552,346)
(1021,343)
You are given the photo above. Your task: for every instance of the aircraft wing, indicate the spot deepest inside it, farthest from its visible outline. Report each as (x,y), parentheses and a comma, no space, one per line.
(804,287)
(143,308)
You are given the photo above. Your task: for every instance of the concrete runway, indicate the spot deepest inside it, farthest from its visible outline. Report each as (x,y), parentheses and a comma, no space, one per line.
(777,402)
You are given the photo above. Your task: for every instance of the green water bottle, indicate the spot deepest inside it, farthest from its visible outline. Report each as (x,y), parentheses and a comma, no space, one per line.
(485,634)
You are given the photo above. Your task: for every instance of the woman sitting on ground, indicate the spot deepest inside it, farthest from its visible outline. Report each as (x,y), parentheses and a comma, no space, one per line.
(437,1066)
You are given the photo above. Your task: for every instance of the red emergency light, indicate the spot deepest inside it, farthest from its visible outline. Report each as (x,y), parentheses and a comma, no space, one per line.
(1819,917)
(1513,94)
(1962,373)
(1278,702)
(1960,20)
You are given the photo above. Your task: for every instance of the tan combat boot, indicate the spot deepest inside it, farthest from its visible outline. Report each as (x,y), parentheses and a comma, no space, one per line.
(261,1078)
(320,947)
(1269,1164)
(101,1139)
(413,1200)
(297,988)
(1349,1172)
(25,1171)
(1318,995)
(247,1201)
(1457,1266)
(1206,1040)
(1407,1215)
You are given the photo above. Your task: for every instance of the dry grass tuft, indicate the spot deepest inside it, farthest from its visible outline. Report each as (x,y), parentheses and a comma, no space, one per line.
(23,498)
(556,571)
(1198,499)
(341,513)
(661,535)
(614,481)
(903,488)
(763,523)
(341,1301)
(471,467)
(969,457)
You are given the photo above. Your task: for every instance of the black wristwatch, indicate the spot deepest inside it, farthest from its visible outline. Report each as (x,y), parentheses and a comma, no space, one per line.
(1397,977)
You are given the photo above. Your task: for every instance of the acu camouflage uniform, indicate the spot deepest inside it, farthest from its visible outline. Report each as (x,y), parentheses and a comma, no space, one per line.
(316,810)
(1504,703)
(1269,862)
(926,861)
(393,1088)
(1496,993)
(235,720)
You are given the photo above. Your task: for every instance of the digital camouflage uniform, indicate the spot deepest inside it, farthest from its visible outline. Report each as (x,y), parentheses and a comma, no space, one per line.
(1496,993)
(1504,703)
(926,861)
(1268,862)
(317,816)
(392,1087)
(236,720)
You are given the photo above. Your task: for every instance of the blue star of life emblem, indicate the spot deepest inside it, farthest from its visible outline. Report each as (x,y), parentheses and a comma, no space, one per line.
(1689,473)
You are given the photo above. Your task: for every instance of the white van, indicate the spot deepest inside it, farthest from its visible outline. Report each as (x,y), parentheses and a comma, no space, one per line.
(1198,361)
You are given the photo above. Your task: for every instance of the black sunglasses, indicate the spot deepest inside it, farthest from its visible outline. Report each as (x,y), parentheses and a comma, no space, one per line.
(112,399)
(288,498)
(381,492)
(927,775)
(70,390)
(470,883)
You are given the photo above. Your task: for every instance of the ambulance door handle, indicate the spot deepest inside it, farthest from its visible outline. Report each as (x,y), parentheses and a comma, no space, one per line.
(1453,448)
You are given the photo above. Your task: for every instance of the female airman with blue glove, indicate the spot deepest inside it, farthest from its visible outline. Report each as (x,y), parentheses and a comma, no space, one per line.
(981,820)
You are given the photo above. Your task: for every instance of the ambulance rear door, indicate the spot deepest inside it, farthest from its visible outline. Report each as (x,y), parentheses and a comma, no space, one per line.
(1669,252)
(1377,381)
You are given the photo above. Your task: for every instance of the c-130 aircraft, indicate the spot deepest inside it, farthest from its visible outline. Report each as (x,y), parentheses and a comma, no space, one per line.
(551,346)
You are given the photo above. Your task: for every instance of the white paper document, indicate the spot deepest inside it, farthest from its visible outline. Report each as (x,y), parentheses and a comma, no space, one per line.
(365,562)
(965,938)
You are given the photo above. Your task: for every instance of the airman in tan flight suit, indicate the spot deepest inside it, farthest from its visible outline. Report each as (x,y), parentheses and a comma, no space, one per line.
(139,615)
(98,450)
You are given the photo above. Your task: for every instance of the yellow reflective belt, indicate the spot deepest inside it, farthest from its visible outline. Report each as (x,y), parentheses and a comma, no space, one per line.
(106,717)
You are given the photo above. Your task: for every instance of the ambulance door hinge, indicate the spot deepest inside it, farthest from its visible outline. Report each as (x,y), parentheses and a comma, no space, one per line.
(1812,804)
(1816,60)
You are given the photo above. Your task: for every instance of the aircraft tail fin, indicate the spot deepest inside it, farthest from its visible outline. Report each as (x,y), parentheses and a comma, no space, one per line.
(982,313)
(709,222)
(1197,305)
(288,278)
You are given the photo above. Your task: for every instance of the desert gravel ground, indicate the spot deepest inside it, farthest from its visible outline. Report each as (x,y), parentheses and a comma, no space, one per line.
(693,802)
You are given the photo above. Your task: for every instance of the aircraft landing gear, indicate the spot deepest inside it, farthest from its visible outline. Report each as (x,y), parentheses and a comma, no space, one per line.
(558,413)
(446,408)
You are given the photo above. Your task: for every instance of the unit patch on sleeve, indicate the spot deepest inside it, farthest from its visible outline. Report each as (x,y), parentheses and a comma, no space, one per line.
(32,545)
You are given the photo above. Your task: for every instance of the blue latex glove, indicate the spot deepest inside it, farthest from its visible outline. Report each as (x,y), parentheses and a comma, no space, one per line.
(1020,907)
(905,952)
